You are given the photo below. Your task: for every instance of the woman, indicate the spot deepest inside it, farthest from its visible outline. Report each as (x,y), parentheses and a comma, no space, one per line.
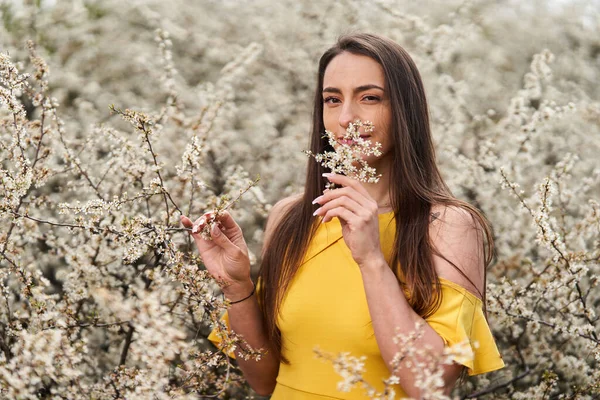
(348,269)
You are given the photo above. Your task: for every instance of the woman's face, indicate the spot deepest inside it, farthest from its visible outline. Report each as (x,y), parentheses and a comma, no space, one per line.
(354,88)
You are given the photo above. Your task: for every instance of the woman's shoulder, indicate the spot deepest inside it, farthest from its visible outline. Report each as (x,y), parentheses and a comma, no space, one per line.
(457,239)
(283,205)
(278,211)
(451,215)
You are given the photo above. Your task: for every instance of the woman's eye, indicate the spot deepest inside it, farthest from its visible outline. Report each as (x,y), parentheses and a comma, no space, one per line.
(331,100)
(371,98)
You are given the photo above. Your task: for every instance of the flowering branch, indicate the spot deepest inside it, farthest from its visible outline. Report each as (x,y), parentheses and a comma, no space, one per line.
(350,151)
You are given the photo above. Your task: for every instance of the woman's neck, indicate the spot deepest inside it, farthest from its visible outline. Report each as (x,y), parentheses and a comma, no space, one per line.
(380,191)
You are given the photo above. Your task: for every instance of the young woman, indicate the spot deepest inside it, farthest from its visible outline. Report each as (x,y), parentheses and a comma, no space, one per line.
(347,269)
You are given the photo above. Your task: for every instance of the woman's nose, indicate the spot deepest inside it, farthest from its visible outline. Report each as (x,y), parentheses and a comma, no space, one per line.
(347,115)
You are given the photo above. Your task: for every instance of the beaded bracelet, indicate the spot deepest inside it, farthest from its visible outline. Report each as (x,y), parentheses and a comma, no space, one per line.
(247,297)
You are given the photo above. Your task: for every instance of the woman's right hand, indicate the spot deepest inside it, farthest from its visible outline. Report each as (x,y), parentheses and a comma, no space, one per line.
(226,255)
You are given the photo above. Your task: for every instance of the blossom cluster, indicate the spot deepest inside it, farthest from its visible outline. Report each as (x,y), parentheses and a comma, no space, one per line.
(424,364)
(349,152)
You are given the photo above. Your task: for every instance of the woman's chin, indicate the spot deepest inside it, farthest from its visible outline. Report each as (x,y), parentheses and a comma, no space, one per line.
(371,161)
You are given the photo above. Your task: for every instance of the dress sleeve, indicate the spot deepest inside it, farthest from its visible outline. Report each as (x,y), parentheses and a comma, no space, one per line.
(216,338)
(460,319)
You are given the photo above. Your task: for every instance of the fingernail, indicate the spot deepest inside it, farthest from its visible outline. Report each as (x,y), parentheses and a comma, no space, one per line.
(202,221)
(317,211)
(195,229)
(327,174)
(318,199)
(216,231)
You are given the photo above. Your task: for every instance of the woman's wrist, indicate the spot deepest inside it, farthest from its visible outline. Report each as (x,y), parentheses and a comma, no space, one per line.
(238,290)
(376,262)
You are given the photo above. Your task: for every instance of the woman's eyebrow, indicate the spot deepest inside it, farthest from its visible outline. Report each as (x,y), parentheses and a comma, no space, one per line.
(357,89)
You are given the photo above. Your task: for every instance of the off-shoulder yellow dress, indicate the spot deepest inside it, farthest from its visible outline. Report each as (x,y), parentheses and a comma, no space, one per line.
(326,307)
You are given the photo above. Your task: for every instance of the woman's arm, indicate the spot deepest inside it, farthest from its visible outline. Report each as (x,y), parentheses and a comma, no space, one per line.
(454,235)
(246,319)
(226,258)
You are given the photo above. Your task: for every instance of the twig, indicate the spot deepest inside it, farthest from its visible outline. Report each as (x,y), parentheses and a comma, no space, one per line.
(126,345)
(554,326)
(492,389)
(85,325)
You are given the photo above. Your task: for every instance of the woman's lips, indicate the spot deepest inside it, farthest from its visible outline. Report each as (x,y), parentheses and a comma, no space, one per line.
(350,141)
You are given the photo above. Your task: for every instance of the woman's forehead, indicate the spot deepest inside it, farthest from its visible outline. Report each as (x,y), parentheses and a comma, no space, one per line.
(352,70)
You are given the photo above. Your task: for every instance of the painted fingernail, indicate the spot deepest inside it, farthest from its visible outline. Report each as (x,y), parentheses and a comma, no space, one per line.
(318,199)
(317,211)
(195,228)
(327,174)
(202,221)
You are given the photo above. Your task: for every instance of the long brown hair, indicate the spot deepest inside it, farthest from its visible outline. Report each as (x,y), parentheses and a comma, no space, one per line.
(416,185)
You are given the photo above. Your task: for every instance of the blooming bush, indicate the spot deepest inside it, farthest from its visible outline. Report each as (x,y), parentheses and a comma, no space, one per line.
(103,295)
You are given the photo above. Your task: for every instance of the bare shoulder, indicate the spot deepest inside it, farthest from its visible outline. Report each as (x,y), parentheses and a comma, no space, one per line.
(458,239)
(283,205)
(451,215)
(278,210)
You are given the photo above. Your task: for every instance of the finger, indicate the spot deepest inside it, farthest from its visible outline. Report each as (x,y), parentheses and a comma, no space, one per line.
(346,182)
(227,220)
(207,217)
(195,226)
(345,192)
(220,239)
(200,222)
(342,213)
(196,233)
(342,201)
(186,222)
(232,229)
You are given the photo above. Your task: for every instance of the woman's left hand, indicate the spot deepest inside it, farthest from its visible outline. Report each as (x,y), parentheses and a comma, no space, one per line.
(357,212)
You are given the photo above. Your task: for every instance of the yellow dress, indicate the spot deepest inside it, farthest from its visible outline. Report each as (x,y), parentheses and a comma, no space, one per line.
(326,307)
